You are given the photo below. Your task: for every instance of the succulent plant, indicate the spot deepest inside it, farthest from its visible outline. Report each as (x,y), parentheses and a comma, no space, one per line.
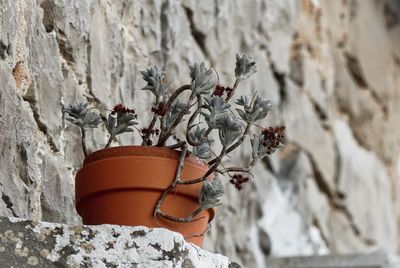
(216,107)
(154,77)
(202,80)
(245,67)
(176,109)
(255,110)
(209,111)
(229,128)
(80,115)
(210,194)
(199,137)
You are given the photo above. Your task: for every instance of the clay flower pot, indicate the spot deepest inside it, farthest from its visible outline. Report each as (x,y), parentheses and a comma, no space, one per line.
(122,185)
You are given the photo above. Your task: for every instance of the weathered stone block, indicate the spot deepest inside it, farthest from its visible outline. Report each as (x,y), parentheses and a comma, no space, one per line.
(26,243)
(371,260)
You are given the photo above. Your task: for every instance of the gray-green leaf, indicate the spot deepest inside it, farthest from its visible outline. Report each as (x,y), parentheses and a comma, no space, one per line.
(245,67)
(80,115)
(154,77)
(202,81)
(210,194)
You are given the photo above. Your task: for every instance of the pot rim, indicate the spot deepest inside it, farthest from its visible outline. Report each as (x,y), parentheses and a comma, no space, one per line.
(138,150)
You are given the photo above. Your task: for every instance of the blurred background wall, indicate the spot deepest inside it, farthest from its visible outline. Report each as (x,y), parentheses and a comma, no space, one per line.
(331,69)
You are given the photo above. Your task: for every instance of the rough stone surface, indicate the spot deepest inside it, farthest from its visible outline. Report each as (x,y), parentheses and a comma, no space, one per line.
(331,68)
(372,260)
(26,243)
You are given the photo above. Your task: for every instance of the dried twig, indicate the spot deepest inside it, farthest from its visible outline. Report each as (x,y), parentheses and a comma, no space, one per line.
(83,139)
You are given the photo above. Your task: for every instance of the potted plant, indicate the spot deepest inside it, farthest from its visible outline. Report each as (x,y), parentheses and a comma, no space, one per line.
(172,180)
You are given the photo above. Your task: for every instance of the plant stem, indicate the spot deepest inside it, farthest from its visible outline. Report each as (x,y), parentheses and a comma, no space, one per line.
(146,139)
(188,137)
(171,99)
(234,169)
(109,142)
(185,219)
(175,146)
(209,172)
(236,144)
(177,93)
(233,90)
(201,234)
(83,138)
(167,133)
(179,168)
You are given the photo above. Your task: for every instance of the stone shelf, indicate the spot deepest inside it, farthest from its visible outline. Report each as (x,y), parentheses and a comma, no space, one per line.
(26,243)
(372,260)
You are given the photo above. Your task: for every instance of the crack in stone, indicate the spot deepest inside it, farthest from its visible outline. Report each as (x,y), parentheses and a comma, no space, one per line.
(41,126)
(340,207)
(8,203)
(91,98)
(392,18)
(280,78)
(333,197)
(354,68)
(316,223)
(5,49)
(296,73)
(174,254)
(164,25)
(336,201)
(48,15)
(198,35)
(65,48)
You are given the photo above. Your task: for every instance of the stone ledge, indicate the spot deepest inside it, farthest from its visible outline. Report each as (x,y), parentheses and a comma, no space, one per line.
(26,243)
(372,260)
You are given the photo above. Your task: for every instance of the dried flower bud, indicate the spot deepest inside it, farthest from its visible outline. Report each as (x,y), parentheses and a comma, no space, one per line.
(272,138)
(161,109)
(121,109)
(125,118)
(238,180)
(220,90)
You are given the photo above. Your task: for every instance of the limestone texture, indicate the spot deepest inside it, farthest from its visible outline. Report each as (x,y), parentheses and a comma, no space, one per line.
(331,69)
(26,243)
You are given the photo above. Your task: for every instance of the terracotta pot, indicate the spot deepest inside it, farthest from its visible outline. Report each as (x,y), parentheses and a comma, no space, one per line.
(122,185)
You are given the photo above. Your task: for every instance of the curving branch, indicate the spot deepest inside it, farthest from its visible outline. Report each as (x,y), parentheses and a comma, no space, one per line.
(83,139)
(236,144)
(190,122)
(165,134)
(210,170)
(230,95)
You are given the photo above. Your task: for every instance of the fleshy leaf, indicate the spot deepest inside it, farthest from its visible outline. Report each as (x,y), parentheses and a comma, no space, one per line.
(210,194)
(245,67)
(202,81)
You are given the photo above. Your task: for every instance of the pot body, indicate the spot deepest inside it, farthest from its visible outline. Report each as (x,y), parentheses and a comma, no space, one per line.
(122,185)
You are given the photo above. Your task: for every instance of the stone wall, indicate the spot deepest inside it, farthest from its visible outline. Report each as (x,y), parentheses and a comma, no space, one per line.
(331,69)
